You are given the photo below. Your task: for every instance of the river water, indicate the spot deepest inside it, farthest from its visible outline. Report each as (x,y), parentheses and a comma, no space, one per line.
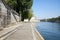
(49,30)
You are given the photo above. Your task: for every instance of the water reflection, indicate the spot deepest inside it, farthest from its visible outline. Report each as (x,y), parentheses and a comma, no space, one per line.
(58,24)
(50,31)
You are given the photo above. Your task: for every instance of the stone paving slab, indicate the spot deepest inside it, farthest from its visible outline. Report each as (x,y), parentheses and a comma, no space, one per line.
(24,32)
(6,31)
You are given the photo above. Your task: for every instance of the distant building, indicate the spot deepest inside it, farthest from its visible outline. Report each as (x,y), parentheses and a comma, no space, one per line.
(34,19)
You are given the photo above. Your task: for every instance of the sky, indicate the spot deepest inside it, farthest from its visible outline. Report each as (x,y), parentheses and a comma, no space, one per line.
(43,9)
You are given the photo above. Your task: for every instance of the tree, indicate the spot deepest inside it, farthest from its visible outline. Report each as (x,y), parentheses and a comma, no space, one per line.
(20,6)
(28,14)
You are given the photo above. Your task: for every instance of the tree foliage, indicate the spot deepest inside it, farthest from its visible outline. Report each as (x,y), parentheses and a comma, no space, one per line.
(56,19)
(20,6)
(12,3)
(29,14)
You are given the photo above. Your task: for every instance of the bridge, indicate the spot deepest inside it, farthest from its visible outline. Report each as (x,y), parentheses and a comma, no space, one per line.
(12,29)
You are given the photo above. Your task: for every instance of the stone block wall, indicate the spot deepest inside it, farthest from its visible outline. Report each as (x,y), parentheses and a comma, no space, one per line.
(6,16)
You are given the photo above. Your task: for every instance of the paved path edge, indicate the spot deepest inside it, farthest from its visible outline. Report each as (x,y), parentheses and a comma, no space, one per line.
(7,31)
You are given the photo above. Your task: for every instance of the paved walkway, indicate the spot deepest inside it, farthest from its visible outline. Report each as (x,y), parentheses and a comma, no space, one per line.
(8,30)
(23,32)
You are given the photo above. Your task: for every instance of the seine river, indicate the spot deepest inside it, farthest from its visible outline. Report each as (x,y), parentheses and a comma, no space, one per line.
(49,30)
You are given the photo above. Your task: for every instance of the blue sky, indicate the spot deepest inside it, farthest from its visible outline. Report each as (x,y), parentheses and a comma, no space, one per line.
(46,8)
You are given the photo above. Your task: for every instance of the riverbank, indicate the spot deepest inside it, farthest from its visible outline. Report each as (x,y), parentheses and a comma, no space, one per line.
(37,34)
(26,31)
(49,30)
